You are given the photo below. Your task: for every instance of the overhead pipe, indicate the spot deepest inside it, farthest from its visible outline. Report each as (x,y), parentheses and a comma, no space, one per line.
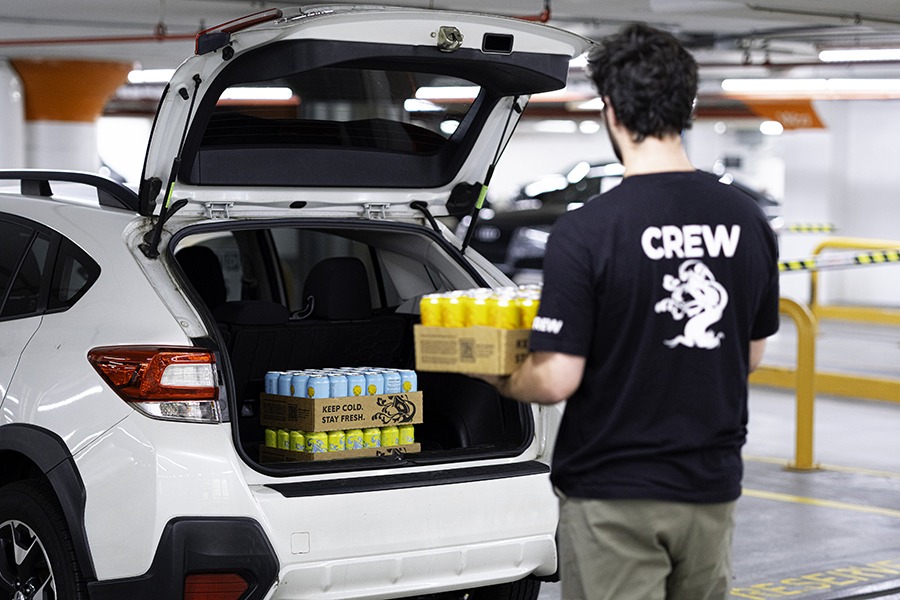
(792,65)
(158,36)
(542,17)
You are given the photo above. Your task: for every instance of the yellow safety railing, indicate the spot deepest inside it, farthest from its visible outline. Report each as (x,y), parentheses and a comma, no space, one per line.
(805,379)
(886,316)
(802,379)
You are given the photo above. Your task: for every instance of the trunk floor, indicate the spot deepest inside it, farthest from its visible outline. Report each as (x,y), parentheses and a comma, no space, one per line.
(834,532)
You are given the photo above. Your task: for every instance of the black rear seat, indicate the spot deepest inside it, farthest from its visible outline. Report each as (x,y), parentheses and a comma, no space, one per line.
(339,330)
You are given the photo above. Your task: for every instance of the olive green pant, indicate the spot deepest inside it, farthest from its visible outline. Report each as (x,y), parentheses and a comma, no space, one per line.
(644,550)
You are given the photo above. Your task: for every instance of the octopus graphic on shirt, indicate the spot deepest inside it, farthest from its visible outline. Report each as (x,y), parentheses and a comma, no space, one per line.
(698,297)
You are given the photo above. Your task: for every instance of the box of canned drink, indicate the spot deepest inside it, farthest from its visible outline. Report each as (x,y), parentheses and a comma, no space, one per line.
(484,350)
(347,412)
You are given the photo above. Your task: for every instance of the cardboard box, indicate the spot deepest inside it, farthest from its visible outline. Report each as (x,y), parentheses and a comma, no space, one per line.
(329,414)
(270,455)
(485,350)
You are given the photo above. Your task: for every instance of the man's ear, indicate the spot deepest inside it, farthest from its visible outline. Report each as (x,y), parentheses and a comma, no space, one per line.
(609,112)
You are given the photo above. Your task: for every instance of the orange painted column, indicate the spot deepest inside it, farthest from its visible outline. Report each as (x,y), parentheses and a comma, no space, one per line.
(12,119)
(63,100)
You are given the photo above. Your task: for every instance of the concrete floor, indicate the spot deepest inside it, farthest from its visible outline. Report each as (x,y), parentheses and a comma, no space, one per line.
(832,533)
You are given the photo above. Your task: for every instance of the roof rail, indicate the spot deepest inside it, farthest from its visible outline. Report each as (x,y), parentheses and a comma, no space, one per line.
(110,193)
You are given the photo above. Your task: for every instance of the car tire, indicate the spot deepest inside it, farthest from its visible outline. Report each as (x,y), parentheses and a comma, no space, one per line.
(37,557)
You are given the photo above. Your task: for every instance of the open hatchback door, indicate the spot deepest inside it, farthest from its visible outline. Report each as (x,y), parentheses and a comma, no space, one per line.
(347,106)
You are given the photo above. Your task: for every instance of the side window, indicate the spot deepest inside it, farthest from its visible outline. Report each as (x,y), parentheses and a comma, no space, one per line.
(23,291)
(219,279)
(14,240)
(40,270)
(75,272)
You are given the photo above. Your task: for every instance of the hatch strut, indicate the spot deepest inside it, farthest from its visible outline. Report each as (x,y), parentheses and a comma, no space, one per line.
(490,172)
(150,247)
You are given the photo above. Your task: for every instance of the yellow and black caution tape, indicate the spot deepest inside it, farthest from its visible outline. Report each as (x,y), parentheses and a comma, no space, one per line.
(797,265)
(835,261)
(810,228)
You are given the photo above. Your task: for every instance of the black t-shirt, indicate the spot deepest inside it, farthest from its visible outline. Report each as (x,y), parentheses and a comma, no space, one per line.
(661,283)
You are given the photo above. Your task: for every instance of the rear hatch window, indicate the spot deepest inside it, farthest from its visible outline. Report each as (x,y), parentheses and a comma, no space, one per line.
(323,114)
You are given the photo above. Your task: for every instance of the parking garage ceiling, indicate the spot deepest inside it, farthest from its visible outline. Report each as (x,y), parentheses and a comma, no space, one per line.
(730,38)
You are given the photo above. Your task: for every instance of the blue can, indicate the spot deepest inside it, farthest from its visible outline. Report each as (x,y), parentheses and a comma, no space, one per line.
(356,384)
(284,383)
(374,383)
(317,387)
(298,384)
(409,381)
(392,381)
(338,386)
(271,382)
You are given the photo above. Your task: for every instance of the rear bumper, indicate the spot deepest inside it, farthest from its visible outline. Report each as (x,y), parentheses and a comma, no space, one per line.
(199,545)
(418,572)
(411,533)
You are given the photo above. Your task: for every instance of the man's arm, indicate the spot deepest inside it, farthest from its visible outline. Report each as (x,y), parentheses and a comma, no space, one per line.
(757,349)
(544,377)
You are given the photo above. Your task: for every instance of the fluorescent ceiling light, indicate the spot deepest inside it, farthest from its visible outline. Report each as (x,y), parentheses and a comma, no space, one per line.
(594,104)
(449,126)
(811,85)
(771,128)
(458,92)
(859,54)
(150,75)
(612,170)
(774,85)
(417,105)
(556,126)
(579,172)
(257,93)
(548,184)
(579,62)
(589,127)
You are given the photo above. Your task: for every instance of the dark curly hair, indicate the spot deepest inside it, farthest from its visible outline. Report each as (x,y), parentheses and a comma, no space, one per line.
(649,78)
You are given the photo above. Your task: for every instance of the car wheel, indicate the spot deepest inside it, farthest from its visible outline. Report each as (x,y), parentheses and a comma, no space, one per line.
(37,558)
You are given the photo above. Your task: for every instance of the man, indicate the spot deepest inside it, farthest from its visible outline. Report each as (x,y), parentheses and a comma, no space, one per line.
(658,296)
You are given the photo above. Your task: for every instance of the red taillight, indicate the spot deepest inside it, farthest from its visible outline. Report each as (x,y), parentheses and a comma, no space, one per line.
(214,586)
(169,382)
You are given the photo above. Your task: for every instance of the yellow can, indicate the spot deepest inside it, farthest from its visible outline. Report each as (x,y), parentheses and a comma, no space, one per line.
(453,311)
(284,439)
(317,442)
(390,436)
(430,310)
(337,441)
(372,437)
(407,434)
(355,440)
(528,308)
(477,310)
(298,441)
(271,438)
(504,312)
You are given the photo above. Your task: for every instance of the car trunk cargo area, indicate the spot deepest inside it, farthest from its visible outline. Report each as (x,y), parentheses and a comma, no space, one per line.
(336,294)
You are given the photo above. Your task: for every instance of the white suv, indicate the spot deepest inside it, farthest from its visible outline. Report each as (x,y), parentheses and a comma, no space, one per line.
(289,217)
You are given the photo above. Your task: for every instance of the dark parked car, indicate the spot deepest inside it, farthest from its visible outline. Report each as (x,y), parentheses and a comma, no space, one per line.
(514,238)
